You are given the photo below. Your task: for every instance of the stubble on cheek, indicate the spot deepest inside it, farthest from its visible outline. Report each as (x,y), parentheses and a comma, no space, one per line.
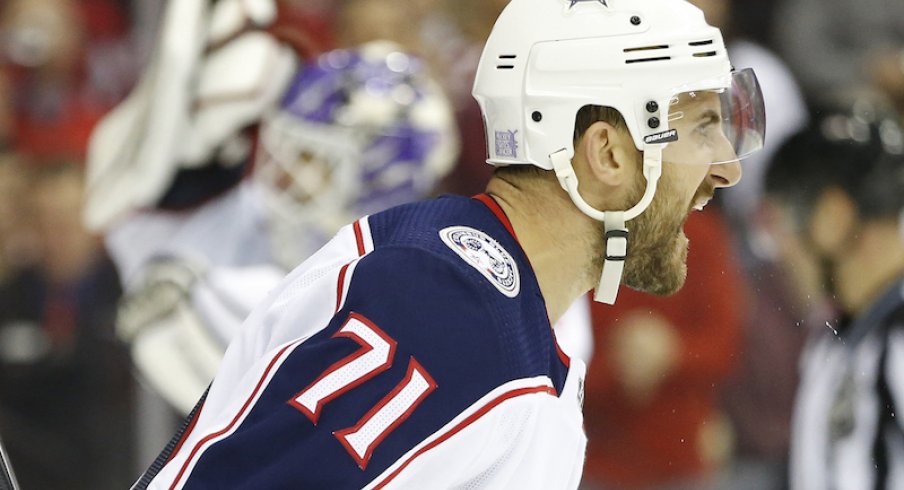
(657,252)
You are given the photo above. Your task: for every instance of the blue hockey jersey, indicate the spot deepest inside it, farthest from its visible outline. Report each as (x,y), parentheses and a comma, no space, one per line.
(412,351)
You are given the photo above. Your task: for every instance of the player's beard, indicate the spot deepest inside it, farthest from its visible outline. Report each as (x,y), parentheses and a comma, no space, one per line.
(658,247)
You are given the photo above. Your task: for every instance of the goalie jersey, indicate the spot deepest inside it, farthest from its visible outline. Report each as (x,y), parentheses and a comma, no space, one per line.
(412,351)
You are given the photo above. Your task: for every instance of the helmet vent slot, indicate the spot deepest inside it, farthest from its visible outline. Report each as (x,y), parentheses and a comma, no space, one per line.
(705,54)
(646,48)
(646,60)
(505,59)
(641,50)
(701,43)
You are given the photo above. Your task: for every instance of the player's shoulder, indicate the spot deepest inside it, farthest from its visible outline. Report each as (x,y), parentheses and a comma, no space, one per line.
(453,268)
(465,237)
(413,281)
(449,317)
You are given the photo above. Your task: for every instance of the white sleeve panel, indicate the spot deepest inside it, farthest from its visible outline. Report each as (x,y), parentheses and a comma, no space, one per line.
(223,412)
(574,331)
(302,304)
(502,441)
(225,296)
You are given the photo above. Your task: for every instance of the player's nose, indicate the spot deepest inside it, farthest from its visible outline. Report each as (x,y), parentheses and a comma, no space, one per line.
(725,174)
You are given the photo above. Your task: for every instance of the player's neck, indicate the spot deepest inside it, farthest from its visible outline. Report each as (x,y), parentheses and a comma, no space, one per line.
(869,268)
(559,240)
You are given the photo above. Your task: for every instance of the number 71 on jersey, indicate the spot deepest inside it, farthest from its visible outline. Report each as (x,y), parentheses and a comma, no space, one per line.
(375,356)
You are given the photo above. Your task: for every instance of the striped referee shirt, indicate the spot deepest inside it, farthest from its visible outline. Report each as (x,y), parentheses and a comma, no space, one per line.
(848,433)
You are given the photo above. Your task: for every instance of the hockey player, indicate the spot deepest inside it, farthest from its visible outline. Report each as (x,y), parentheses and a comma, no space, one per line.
(415,350)
(838,187)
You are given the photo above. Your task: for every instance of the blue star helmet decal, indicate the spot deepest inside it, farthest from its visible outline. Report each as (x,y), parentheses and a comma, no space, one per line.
(575,2)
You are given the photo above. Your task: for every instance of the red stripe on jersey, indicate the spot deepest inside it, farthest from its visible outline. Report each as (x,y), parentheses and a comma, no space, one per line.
(491,203)
(359,238)
(210,437)
(497,210)
(188,431)
(464,423)
(562,355)
(340,288)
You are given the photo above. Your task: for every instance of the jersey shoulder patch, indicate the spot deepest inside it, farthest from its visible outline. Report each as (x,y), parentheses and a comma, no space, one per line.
(485,254)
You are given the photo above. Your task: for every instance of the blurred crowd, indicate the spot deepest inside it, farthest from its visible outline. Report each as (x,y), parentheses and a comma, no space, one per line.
(710,405)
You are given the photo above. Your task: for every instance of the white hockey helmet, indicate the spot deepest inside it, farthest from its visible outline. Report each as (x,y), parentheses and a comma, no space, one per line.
(547,59)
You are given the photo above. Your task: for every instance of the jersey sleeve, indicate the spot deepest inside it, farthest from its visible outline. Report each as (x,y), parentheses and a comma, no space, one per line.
(508,446)
(416,348)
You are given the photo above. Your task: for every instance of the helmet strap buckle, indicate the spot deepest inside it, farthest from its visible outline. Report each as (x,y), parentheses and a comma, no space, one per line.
(616,254)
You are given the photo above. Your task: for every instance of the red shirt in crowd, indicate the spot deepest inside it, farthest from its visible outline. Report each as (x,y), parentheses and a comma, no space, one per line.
(635,444)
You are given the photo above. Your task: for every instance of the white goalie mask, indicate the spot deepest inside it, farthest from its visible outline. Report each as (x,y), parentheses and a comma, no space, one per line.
(358,131)
(547,59)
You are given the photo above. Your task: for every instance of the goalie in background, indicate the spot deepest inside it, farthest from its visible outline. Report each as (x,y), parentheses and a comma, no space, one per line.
(210,192)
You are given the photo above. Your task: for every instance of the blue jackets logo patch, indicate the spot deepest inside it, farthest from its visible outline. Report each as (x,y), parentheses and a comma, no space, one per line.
(486,255)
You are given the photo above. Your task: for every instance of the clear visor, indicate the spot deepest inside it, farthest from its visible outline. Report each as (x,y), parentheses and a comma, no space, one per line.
(717,126)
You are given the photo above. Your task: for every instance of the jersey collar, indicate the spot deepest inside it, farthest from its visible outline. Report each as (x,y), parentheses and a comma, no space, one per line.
(491,203)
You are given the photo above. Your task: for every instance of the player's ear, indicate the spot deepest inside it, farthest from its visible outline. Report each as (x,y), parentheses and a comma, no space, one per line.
(832,221)
(608,152)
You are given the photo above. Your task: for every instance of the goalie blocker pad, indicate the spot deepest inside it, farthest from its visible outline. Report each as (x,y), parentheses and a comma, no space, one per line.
(212,76)
(180,321)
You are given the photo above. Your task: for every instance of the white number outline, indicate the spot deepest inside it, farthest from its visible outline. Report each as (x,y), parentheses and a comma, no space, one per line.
(359,360)
(384,406)
(355,361)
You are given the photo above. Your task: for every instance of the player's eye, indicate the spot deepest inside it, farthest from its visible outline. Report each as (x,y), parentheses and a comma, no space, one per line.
(709,128)
(708,122)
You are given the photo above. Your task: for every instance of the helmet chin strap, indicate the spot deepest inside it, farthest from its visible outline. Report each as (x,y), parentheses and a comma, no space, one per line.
(616,233)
